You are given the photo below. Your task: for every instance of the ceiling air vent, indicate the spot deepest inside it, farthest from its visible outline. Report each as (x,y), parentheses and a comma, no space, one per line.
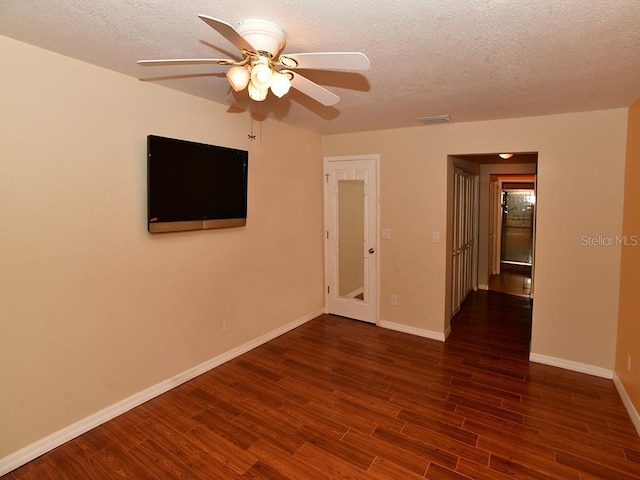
(434,119)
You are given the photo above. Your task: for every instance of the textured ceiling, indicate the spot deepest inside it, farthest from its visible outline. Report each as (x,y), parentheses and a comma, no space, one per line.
(470,59)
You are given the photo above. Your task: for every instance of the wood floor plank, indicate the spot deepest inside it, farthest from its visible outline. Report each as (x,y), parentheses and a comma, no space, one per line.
(447,444)
(451,430)
(239,435)
(356,456)
(438,472)
(618,471)
(514,469)
(326,462)
(288,464)
(120,463)
(392,453)
(337,398)
(476,471)
(417,447)
(161,462)
(226,455)
(383,469)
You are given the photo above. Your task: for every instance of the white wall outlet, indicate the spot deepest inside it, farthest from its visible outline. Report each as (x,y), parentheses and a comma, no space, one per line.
(386,233)
(435,237)
(226,324)
(628,362)
(394,300)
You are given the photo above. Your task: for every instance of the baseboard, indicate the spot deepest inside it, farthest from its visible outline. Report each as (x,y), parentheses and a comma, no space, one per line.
(421,332)
(447,332)
(570,365)
(483,287)
(631,409)
(44,445)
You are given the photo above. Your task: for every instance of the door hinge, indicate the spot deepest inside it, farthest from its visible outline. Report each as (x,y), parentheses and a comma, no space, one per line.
(327,234)
(327,175)
(328,290)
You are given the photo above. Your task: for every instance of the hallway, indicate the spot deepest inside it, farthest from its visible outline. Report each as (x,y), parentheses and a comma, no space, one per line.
(572,425)
(513,279)
(493,323)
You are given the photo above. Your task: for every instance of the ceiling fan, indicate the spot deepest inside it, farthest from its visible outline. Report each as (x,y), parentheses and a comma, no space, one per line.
(264,68)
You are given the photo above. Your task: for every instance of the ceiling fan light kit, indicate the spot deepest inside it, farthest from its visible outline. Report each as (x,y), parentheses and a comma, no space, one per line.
(281,83)
(261,43)
(239,78)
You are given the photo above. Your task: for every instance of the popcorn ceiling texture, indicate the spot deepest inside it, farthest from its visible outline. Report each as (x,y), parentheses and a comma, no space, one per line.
(470,59)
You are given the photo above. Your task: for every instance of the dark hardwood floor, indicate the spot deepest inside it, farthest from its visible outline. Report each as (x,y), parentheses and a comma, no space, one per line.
(513,279)
(337,398)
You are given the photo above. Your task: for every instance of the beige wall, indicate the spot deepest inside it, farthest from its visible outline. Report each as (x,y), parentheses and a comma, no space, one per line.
(93,308)
(581,162)
(629,315)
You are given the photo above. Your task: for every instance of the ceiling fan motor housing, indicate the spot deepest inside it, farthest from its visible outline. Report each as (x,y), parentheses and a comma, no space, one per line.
(263,35)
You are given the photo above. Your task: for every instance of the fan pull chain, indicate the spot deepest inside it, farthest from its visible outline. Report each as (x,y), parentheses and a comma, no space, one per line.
(251,135)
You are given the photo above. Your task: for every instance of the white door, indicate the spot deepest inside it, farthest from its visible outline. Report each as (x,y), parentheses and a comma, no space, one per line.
(351,201)
(463,237)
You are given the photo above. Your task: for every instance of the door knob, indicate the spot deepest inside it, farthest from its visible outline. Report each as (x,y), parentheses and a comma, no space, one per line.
(371,250)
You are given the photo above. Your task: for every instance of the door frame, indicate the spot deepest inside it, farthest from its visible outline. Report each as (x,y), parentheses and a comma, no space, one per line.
(375,300)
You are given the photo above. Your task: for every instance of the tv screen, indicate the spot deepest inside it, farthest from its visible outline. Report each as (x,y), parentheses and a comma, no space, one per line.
(194,186)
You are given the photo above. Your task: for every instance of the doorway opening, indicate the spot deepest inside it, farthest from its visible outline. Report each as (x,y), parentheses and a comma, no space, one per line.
(503,222)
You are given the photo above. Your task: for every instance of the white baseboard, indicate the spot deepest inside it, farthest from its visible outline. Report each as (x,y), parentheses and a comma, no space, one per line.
(570,365)
(483,287)
(421,332)
(42,446)
(631,409)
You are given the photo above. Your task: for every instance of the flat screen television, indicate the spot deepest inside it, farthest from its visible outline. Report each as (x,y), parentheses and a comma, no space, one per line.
(194,186)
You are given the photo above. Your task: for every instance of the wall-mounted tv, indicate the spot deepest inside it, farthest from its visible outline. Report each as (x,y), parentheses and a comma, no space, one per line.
(194,186)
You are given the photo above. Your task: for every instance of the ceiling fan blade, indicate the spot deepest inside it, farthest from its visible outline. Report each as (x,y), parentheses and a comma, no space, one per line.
(313,90)
(227,31)
(187,61)
(327,60)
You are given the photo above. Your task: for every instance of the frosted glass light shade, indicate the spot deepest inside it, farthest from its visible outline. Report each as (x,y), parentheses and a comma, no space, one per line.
(238,78)
(256,93)
(261,75)
(280,84)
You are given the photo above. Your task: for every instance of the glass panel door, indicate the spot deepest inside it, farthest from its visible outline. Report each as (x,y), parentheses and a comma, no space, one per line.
(517,226)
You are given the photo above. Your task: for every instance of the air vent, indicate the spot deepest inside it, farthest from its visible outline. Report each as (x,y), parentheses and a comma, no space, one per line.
(434,119)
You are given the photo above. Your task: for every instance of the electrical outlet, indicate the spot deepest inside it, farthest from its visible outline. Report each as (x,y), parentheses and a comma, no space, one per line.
(226,324)
(628,362)
(394,300)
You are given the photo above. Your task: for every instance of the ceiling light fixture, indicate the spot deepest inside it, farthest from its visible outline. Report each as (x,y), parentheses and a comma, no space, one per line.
(505,156)
(262,68)
(258,74)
